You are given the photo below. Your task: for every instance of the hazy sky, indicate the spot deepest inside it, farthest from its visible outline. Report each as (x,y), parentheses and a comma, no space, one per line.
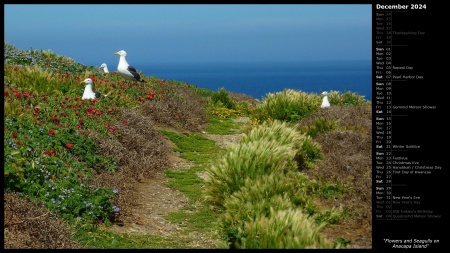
(165,33)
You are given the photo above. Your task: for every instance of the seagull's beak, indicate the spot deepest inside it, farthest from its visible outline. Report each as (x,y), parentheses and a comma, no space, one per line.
(116,53)
(82,82)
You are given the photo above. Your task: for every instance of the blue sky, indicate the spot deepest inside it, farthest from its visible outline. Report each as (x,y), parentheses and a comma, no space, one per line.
(90,34)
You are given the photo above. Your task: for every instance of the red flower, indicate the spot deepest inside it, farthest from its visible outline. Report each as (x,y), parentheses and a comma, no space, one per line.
(81,121)
(111,130)
(6,94)
(14,135)
(51,131)
(17,95)
(50,153)
(151,94)
(69,145)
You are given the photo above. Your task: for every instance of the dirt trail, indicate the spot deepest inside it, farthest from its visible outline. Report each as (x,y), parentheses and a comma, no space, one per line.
(156,200)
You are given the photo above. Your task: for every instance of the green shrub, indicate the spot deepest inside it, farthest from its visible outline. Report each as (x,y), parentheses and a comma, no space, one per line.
(284,229)
(287,105)
(255,198)
(307,150)
(319,126)
(246,160)
(309,153)
(337,98)
(222,96)
(275,130)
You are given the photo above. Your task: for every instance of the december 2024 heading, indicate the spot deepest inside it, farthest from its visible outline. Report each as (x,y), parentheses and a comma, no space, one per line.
(400,6)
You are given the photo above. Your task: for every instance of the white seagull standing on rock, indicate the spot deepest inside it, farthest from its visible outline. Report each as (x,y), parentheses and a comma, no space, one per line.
(104,67)
(325,102)
(88,93)
(126,70)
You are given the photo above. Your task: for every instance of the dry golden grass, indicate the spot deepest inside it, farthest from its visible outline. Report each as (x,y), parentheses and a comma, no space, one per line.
(29,225)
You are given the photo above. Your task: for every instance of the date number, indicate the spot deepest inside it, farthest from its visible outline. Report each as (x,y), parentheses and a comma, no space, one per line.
(418,6)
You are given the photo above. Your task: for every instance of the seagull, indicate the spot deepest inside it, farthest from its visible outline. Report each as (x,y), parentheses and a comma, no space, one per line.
(126,70)
(88,93)
(104,67)
(325,102)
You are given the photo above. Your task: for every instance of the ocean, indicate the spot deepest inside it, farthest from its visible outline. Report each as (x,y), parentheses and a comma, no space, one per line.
(258,79)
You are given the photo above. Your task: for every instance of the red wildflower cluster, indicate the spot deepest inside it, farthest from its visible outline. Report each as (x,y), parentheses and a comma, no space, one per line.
(51,131)
(50,152)
(69,145)
(111,130)
(151,94)
(91,112)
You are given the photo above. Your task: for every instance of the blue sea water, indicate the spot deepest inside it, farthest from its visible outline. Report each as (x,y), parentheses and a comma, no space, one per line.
(258,79)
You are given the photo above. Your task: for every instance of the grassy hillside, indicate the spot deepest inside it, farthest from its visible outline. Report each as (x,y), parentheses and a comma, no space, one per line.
(295,176)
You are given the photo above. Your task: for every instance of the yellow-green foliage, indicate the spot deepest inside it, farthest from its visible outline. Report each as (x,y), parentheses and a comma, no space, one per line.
(271,146)
(37,80)
(243,107)
(256,196)
(274,130)
(319,126)
(222,96)
(224,113)
(307,151)
(287,105)
(284,229)
(347,98)
(246,160)
(264,195)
